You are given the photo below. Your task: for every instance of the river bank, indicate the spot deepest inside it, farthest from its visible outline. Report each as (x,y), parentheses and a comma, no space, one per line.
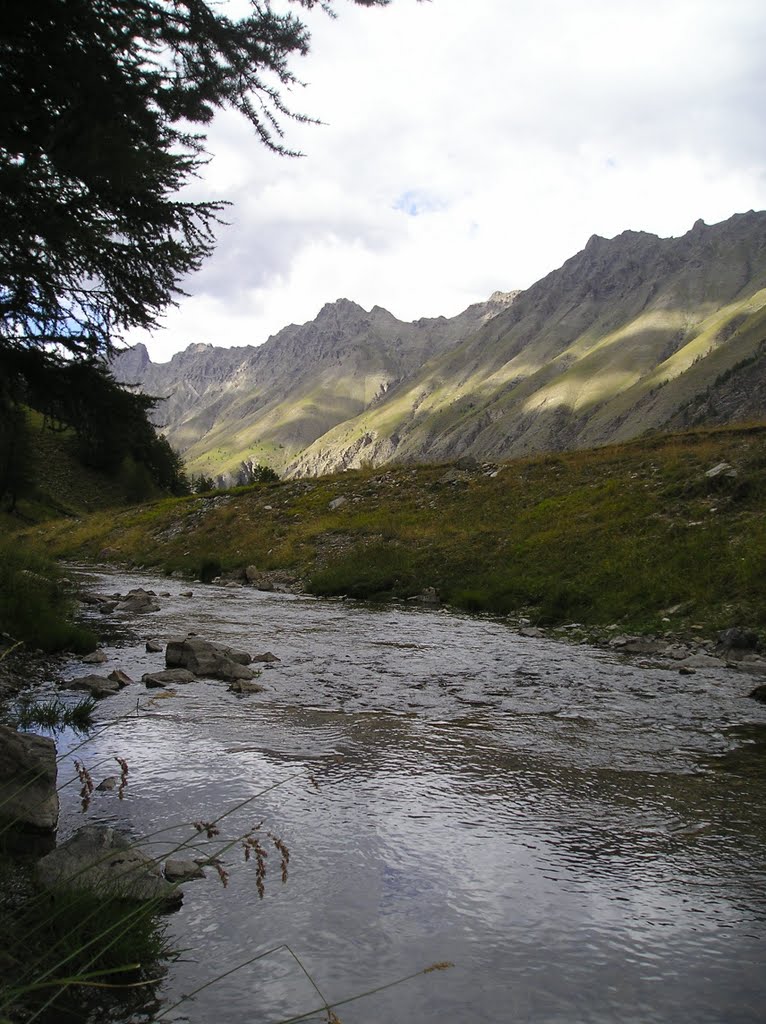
(663,537)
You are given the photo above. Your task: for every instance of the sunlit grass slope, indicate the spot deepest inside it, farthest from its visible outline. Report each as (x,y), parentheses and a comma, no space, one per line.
(618,534)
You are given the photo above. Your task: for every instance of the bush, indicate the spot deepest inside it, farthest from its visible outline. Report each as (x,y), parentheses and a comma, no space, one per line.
(209,569)
(371,571)
(35,608)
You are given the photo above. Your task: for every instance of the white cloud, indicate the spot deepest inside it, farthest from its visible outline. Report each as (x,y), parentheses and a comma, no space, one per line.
(468,148)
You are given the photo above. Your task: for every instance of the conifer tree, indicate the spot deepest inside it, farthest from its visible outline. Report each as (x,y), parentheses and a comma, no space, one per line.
(105,104)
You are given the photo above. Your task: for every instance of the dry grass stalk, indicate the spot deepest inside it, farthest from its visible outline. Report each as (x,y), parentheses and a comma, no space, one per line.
(86,787)
(123,776)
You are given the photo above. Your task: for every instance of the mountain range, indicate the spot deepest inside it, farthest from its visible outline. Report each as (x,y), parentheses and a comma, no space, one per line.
(632,334)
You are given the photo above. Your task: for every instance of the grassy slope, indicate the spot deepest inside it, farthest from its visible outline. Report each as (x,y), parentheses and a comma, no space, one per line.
(613,534)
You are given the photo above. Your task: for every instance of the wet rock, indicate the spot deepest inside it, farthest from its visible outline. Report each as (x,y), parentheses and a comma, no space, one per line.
(266,657)
(702,661)
(187,593)
(429,596)
(209,660)
(107,784)
(28,795)
(121,678)
(759,694)
(639,645)
(107,607)
(678,652)
(97,686)
(138,602)
(533,632)
(96,658)
(177,869)
(168,677)
(243,687)
(154,647)
(746,661)
(99,860)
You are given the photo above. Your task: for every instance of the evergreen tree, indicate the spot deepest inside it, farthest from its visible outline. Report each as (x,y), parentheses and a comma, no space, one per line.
(104,104)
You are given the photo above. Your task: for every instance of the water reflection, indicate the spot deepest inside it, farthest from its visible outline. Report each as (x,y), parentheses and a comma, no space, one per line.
(583,838)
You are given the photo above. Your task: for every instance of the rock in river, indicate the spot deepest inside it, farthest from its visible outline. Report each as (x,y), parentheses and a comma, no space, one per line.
(209,660)
(28,796)
(96,686)
(104,862)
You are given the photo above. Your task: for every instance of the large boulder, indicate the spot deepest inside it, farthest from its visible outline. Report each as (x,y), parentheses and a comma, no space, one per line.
(209,660)
(28,795)
(101,861)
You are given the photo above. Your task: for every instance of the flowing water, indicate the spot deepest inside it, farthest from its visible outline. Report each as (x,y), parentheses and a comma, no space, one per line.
(583,838)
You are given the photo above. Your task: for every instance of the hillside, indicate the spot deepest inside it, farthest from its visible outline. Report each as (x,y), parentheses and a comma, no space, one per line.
(269,403)
(659,534)
(629,335)
(634,333)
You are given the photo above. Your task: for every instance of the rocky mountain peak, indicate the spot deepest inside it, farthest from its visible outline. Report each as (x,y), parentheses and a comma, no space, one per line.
(133,363)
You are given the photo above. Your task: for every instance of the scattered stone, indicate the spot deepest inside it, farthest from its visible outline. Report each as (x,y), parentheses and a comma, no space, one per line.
(187,593)
(455,476)
(677,652)
(96,658)
(723,469)
(179,870)
(678,609)
(746,661)
(533,632)
(640,645)
(167,677)
(99,860)
(702,661)
(138,601)
(28,795)
(154,647)
(338,502)
(737,638)
(97,686)
(121,678)
(428,596)
(243,687)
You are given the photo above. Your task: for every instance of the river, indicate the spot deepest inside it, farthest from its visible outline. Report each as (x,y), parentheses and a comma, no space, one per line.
(582,837)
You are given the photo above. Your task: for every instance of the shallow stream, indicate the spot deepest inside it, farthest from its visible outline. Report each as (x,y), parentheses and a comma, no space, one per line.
(584,838)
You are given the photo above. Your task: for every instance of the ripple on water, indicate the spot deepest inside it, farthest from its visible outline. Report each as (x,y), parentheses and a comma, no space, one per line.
(584,838)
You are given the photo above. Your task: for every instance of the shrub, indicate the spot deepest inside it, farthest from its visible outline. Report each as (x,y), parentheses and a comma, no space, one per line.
(34,606)
(209,569)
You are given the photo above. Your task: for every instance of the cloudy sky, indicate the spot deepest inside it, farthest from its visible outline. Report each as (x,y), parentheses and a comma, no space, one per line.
(475,146)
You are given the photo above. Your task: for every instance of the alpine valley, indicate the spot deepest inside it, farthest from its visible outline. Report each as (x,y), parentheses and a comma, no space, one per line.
(633,334)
